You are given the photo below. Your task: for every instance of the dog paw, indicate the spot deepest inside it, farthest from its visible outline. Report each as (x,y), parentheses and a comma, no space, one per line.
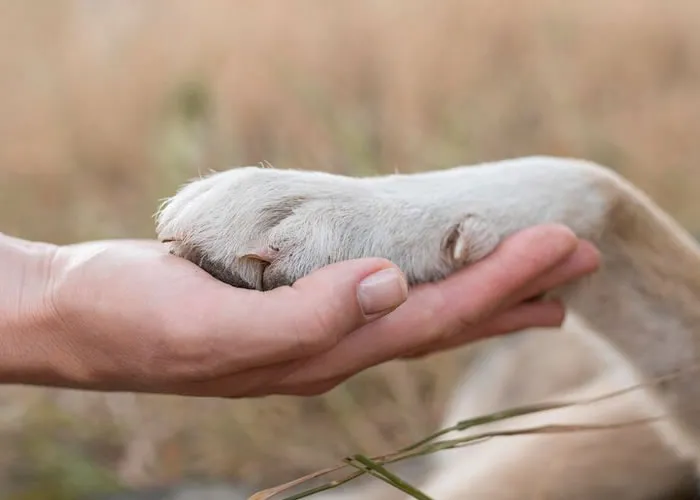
(261,228)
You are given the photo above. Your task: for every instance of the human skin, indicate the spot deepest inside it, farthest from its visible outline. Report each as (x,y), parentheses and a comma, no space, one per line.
(125,315)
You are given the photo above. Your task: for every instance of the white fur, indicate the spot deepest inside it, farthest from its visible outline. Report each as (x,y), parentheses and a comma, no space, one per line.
(262,228)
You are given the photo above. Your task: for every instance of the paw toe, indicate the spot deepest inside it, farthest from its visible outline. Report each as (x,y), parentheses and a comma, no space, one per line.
(469,241)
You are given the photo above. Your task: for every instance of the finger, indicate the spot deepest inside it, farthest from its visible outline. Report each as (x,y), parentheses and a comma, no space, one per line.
(297,321)
(546,314)
(584,260)
(475,293)
(440,310)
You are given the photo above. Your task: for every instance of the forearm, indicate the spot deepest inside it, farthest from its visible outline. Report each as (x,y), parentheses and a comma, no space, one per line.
(27,330)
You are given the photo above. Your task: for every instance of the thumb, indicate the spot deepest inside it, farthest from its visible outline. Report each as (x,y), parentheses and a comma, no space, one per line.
(323,307)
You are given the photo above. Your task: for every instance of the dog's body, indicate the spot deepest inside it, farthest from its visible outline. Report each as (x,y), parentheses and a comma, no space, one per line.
(262,228)
(546,365)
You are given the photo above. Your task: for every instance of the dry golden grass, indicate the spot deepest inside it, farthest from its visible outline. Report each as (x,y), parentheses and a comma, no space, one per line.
(108,106)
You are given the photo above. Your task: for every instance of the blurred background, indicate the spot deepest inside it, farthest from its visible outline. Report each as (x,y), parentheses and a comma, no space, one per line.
(107,106)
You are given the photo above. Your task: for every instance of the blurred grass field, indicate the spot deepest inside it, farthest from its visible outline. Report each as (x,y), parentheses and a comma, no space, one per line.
(106,106)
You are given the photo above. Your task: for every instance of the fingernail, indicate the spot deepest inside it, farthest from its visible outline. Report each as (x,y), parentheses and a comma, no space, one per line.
(382,291)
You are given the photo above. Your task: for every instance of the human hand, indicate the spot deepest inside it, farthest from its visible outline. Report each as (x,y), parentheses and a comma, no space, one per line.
(127,316)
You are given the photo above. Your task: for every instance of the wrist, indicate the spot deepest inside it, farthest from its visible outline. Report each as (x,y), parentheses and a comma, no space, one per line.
(28,321)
